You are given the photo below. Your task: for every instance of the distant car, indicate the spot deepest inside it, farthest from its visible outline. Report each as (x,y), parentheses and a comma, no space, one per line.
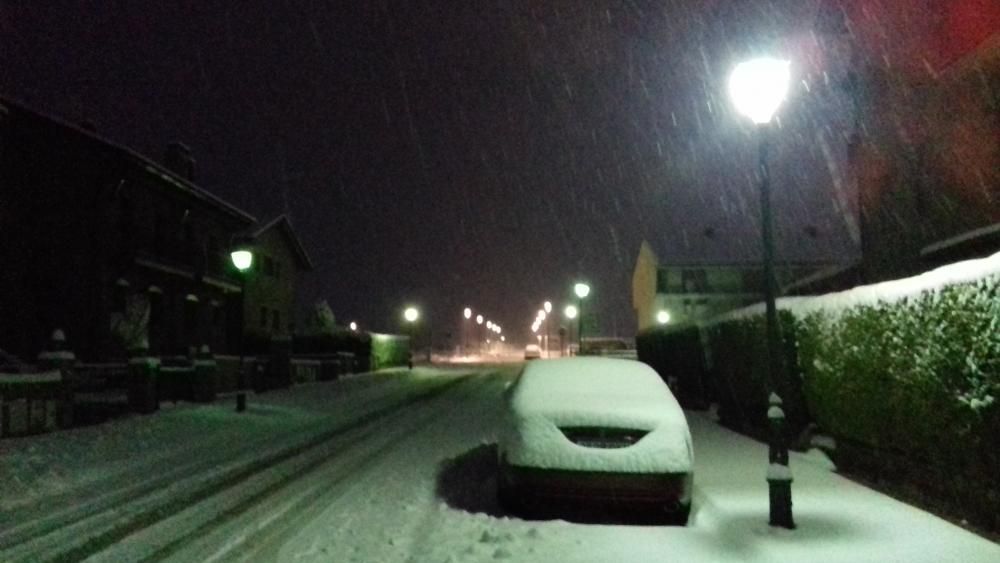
(595,432)
(532,352)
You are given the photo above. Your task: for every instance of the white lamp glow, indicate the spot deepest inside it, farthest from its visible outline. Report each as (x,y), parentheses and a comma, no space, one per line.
(242,259)
(571,312)
(582,290)
(467,313)
(411,314)
(758,87)
(663,317)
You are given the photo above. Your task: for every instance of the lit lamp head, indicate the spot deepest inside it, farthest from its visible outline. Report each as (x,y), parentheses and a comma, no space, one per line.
(663,317)
(242,259)
(581,290)
(547,306)
(354,326)
(758,86)
(411,314)
(467,313)
(571,311)
(479,319)
(489,325)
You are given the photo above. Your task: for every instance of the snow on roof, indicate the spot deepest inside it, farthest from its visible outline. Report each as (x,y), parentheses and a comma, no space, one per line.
(885,292)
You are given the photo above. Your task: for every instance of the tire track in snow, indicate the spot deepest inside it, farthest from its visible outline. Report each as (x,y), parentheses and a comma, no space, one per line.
(123,513)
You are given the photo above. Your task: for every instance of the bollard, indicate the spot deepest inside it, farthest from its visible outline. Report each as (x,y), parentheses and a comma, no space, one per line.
(779,475)
(205,374)
(59,357)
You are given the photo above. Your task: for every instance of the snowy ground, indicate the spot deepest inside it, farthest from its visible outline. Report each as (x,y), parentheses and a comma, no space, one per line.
(400,468)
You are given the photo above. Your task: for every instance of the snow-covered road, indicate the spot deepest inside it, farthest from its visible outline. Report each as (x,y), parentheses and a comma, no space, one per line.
(401,468)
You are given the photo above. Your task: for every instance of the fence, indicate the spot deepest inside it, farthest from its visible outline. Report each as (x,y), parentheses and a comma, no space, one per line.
(31,403)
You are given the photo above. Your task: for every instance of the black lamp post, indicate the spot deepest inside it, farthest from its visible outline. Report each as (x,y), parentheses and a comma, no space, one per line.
(242,258)
(581,290)
(757,88)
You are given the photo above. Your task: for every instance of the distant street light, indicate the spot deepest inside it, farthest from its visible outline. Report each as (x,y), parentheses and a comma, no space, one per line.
(547,306)
(467,313)
(570,312)
(479,319)
(242,258)
(663,317)
(489,325)
(581,290)
(354,326)
(410,315)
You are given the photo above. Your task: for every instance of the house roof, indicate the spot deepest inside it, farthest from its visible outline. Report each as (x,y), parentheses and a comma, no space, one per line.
(150,166)
(283,223)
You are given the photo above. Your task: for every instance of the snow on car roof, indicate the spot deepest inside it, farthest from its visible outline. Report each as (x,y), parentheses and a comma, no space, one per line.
(591,390)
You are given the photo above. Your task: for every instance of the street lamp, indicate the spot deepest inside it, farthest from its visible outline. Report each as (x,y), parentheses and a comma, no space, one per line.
(410,315)
(354,326)
(242,258)
(663,317)
(467,313)
(581,290)
(757,88)
(571,313)
(547,307)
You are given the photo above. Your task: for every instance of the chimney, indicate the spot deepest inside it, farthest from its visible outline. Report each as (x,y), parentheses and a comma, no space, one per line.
(179,160)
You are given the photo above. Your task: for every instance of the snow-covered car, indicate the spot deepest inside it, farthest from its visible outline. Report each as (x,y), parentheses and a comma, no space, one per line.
(596,432)
(532,352)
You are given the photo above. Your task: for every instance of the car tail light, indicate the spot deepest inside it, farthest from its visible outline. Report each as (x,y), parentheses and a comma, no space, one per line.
(599,437)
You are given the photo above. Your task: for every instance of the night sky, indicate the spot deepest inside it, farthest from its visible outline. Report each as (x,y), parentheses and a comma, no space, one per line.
(460,153)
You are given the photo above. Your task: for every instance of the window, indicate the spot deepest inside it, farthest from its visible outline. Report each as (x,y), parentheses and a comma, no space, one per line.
(694,281)
(275,321)
(263,317)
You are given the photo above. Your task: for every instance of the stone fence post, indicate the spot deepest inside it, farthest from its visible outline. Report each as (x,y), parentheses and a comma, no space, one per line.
(58,357)
(779,475)
(143,372)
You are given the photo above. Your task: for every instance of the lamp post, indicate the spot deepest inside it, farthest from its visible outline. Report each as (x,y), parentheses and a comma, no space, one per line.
(410,315)
(242,258)
(757,88)
(467,314)
(571,313)
(581,290)
(479,339)
(547,307)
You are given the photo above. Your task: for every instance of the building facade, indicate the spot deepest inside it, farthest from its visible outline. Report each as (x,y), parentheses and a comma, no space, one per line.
(113,248)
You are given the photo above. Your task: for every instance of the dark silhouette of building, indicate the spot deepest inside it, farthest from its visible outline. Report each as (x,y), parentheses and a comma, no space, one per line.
(118,250)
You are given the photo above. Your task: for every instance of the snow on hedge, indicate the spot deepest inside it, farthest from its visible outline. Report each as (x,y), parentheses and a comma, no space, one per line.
(884,292)
(595,392)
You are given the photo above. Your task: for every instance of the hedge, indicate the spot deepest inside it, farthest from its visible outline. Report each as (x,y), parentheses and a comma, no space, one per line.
(389,350)
(677,355)
(904,374)
(738,377)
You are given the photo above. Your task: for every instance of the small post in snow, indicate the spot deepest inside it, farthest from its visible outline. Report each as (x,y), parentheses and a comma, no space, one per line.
(779,475)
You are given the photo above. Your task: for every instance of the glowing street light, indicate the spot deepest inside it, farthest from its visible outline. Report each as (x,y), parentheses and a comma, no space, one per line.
(489,325)
(411,314)
(354,326)
(581,290)
(479,319)
(758,87)
(242,257)
(547,306)
(571,311)
(663,317)
(467,313)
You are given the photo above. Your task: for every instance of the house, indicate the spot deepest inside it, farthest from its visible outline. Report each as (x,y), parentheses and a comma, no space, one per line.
(120,251)
(924,147)
(269,308)
(693,291)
